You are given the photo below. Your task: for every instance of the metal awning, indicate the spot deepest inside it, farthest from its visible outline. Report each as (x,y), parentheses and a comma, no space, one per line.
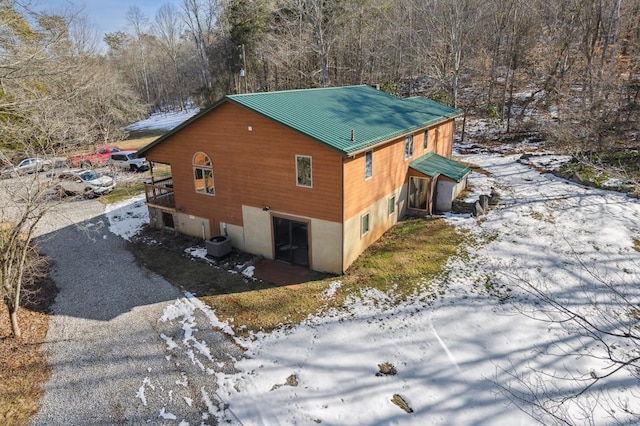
(432,164)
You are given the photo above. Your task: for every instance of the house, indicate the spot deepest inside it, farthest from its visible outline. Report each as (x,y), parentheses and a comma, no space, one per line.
(311,177)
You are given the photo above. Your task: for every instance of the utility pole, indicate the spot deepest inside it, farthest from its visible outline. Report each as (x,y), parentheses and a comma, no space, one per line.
(243,71)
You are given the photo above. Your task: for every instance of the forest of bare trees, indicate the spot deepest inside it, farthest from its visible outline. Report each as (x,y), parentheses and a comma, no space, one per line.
(575,60)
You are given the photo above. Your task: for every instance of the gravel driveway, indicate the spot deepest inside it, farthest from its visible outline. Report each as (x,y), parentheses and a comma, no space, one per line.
(111,351)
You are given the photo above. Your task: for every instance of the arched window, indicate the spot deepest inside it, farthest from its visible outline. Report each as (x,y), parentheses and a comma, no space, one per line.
(203,174)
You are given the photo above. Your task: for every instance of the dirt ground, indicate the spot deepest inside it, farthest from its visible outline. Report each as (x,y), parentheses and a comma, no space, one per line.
(24,368)
(163,252)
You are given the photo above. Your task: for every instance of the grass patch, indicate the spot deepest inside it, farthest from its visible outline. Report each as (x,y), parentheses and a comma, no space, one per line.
(542,217)
(161,171)
(403,259)
(123,192)
(584,173)
(269,307)
(598,168)
(136,143)
(474,167)
(409,254)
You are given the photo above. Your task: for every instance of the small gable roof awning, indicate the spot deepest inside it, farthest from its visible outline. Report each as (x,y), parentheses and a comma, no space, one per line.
(432,164)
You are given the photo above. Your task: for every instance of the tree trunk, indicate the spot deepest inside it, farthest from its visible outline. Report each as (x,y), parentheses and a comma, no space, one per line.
(15,327)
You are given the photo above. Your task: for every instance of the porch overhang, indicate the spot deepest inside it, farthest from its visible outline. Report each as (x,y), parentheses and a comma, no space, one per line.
(433,165)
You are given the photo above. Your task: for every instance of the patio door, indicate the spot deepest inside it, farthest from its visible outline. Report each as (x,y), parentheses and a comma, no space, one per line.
(419,193)
(291,241)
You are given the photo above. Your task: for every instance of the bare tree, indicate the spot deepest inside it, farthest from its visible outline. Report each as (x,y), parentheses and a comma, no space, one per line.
(321,17)
(285,47)
(139,22)
(25,201)
(449,25)
(201,17)
(168,27)
(53,95)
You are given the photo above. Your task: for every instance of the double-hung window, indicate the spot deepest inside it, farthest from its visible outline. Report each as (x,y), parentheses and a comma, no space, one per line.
(408,147)
(425,144)
(203,174)
(303,171)
(368,164)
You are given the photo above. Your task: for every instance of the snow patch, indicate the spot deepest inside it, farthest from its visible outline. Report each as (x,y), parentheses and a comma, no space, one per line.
(166,415)
(126,218)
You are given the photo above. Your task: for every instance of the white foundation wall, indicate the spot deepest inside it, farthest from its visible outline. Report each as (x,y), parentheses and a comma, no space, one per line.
(257,231)
(325,238)
(326,243)
(192,225)
(379,222)
(235,234)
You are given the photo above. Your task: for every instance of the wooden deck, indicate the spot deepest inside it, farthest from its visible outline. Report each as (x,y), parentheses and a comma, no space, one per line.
(160,194)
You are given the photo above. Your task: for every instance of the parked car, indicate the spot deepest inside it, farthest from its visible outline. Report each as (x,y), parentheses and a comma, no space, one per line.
(83,182)
(99,158)
(28,165)
(7,172)
(127,160)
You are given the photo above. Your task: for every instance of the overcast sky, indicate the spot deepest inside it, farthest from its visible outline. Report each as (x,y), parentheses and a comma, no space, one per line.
(106,16)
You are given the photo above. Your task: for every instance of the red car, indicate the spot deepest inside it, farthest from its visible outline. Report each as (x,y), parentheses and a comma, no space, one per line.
(100,158)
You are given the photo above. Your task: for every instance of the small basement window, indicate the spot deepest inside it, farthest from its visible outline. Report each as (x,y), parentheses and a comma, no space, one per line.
(364,229)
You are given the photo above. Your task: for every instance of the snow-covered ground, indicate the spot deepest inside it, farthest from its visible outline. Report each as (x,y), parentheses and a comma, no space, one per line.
(460,345)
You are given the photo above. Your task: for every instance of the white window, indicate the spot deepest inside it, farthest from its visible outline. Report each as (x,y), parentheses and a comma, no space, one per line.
(392,205)
(203,174)
(408,147)
(425,144)
(303,171)
(364,228)
(368,164)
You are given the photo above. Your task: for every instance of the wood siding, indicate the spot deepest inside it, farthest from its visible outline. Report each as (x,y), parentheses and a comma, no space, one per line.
(253,164)
(389,172)
(443,135)
(390,167)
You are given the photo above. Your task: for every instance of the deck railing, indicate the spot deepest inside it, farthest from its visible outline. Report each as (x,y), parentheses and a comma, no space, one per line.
(160,194)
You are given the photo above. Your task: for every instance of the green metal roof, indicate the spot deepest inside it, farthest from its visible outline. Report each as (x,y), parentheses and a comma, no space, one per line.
(432,164)
(329,115)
